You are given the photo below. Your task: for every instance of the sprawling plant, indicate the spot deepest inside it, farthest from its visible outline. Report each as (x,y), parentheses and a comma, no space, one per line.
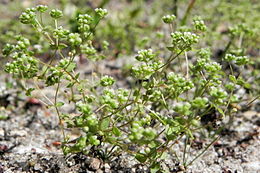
(171,95)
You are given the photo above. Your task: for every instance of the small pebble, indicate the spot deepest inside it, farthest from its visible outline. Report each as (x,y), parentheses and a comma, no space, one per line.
(20,133)
(252,166)
(94,163)
(2,132)
(99,171)
(37,167)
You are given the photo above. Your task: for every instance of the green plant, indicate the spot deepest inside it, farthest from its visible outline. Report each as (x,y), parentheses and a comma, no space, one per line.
(166,104)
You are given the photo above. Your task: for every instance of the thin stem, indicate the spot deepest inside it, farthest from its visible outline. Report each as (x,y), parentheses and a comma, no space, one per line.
(171,27)
(72,94)
(62,56)
(257,97)
(240,40)
(22,81)
(57,110)
(56,27)
(202,151)
(92,29)
(185,149)
(101,107)
(119,109)
(109,154)
(229,100)
(52,58)
(175,7)
(63,70)
(203,75)
(164,102)
(44,33)
(38,88)
(41,19)
(202,90)
(206,111)
(187,12)
(231,69)
(166,144)
(128,98)
(103,3)
(170,60)
(155,114)
(128,122)
(187,65)
(226,48)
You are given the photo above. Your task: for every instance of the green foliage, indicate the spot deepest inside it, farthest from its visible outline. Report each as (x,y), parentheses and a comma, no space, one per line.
(167,101)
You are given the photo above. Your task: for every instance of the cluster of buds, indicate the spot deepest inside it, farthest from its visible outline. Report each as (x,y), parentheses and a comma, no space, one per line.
(101,12)
(168,18)
(29,16)
(238,60)
(183,40)
(145,55)
(199,24)
(84,21)
(56,14)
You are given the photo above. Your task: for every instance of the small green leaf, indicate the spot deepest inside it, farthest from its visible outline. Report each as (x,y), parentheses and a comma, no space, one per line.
(155,167)
(59,104)
(77,76)
(141,157)
(3,117)
(62,46)
(232,78)
(29,91)
(71,67)
(171,48)
(81,87)
(71,84)
(156,116)
(116,131)
(247,85)
(164,156)
(81,143)
(111,140)
(53,47)
(104,124)
(219,110)
(189,133)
